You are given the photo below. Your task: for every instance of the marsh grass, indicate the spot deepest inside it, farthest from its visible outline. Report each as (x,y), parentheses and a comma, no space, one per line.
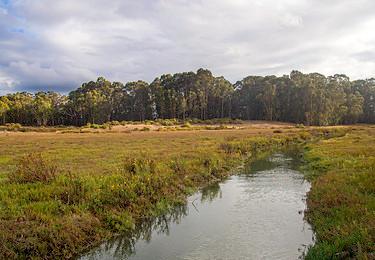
(341,203)
(103,184)
(33,167)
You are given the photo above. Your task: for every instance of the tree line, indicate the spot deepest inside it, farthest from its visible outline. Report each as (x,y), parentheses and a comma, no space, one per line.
(311,99)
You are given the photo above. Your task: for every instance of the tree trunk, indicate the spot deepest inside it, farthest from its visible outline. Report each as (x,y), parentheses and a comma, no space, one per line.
(222,108)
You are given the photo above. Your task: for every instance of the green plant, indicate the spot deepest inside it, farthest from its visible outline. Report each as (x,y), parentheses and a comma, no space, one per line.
(71,189)
(33,168)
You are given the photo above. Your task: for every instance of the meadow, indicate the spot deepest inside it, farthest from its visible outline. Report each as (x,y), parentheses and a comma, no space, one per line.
(63,191)
(341,203)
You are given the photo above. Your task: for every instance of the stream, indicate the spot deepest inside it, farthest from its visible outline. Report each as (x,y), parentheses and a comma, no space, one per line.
(256,214)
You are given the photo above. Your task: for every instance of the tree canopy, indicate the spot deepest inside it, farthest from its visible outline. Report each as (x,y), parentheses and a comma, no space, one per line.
(311,99)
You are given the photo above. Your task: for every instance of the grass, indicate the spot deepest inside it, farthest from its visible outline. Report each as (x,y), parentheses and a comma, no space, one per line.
(341,203)
(61,194)
(33,168)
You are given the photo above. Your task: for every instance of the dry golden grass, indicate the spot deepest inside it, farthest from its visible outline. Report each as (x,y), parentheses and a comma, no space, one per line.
(99,152)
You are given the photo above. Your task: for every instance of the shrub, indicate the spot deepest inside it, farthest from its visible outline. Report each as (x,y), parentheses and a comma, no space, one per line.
(140,164)
(13,127)
(119,221)
(179,165)
(196,121)
(213,165)
(33,168)
(115,123)
(106,126)
(149,122)
(72,189)
(228,148)
(186,125)
(168,122)
(277,131)
(145,129)
(97,126)
(304,135)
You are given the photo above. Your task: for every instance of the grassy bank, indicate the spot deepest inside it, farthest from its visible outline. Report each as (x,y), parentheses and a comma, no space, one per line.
(341,203)
(61,194)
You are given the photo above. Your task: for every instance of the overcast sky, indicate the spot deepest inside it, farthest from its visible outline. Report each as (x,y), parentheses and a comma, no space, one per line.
(57,45)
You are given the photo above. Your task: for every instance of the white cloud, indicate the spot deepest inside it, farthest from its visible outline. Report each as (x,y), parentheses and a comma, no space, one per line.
(59,44)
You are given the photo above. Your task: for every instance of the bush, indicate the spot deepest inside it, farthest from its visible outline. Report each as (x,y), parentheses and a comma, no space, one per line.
(213,165)
(119,221)
(72,189)
(186,125)
(304,135)
(106,126)
(97,126)
(141,164)
(179,165)
(145,129)
(34,168)
(114,123)
(168,122)
(13,127)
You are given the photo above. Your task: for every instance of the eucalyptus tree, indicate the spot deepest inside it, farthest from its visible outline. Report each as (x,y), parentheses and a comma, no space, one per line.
(140,100)
(312,99)
(366,88)
(42,108)
(20,108)
(4,108)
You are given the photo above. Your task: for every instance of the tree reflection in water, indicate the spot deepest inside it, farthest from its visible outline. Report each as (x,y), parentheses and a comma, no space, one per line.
(124,246)
(211,192)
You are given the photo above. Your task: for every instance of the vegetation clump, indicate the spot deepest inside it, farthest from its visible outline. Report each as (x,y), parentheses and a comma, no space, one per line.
(34,168)
(13,126)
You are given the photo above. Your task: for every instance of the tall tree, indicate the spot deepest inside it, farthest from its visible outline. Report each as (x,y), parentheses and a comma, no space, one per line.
(4,108)
(42,108)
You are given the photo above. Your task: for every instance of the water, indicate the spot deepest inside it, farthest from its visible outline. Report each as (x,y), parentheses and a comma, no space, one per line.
(254,215)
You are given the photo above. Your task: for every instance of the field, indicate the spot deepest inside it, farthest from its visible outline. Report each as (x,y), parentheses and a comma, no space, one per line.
(341,203)
(63,192)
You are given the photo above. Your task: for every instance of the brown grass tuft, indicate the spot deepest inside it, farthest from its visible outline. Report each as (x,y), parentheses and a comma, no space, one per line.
(33,167)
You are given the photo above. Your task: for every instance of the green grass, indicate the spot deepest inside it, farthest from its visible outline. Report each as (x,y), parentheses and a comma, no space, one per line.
(341,203)
(103,183)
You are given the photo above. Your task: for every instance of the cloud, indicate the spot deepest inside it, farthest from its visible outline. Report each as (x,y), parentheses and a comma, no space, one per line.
(58,46)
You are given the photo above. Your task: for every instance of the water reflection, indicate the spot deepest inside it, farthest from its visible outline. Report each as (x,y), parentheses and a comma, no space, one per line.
(255,215)
(211,192)
(122,247)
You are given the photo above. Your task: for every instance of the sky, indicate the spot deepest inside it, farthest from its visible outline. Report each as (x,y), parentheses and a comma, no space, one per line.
(57,45)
